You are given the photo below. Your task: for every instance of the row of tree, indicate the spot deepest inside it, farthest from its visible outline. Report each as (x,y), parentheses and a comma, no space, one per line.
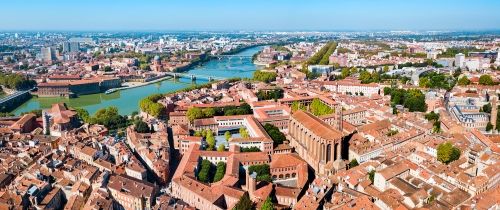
(151,106)
(264,76)
(323,55)
(16,81)
(209,173)
(199,113)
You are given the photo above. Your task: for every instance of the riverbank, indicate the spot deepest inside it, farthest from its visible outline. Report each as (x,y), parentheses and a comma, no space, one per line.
(127,100)
(138,84)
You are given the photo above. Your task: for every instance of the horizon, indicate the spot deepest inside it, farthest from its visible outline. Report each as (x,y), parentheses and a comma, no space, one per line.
(251,16)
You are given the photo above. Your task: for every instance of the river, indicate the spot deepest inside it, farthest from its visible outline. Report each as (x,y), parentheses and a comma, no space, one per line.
(127,100)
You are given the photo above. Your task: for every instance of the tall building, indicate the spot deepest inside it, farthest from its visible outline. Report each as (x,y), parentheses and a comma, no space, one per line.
(48,54)
(71,47)
(459,60)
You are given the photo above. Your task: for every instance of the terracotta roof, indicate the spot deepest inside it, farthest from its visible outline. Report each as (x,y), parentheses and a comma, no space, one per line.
(317,126)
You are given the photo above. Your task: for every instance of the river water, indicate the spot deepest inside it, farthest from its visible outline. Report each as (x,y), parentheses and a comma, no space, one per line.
(127,100)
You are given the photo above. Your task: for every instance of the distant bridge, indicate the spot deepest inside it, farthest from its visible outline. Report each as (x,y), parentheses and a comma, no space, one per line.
(241,57)
(193,77)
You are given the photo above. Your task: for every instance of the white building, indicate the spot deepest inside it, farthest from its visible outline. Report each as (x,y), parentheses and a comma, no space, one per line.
(459,60)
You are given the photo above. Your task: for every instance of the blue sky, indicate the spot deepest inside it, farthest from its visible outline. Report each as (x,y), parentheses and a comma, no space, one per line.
(250,15)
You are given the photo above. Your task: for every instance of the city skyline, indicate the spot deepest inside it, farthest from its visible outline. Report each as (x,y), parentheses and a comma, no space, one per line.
(220,15)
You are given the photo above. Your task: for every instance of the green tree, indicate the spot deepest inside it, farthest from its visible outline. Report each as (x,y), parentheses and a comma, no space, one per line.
(275,134)
(109,118)
(345,73)
(486,80)
(244,133)
(221,148)
(432,116)
(250,149)
(424,82)
(489,126)
(318,108)
(447,153)
(264,76)
(220,171)
(204,172)
(194,113)
(263,172)
(487,108)
(353,163)
(365,77)
(227,135)
(371,175)
(244,203)
(141,127)
(268,204)
(108,69)
(210,140)
(151,106)
(463,81)
(208,112)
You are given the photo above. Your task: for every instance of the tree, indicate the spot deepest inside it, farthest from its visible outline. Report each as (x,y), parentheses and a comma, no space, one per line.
(141,127)
(268,204)
(463,81)
(345,73)
(386,68)
(414,100)
(110,118)
(210,140)
(318,108)
(244,133)
(204,172)
(220,171)
(489,126)
(424,82)
(194,113)
(298,106)
(447,153)
(107,69)
(353,163)
(227,135)
(371,175)
(151,106)
(263,172)
(365,77)
(221,148)
(264,76)
(487,108)
(244,203)
(250,149)
(275,134)
(432,116)
(208,112)
(486,80)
